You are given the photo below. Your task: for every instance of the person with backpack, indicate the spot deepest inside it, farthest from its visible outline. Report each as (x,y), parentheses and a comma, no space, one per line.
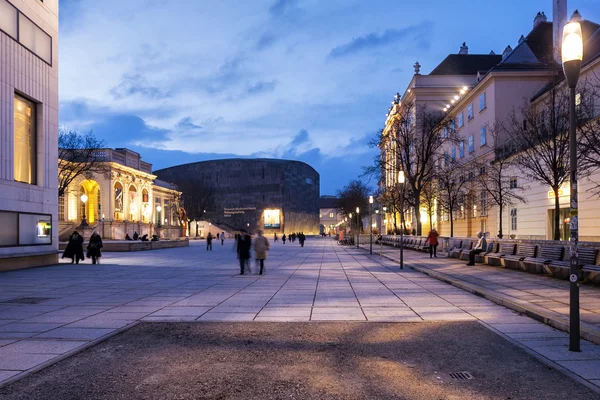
(261,246)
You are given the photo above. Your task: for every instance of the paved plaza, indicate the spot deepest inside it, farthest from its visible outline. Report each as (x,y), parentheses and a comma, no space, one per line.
(78,305)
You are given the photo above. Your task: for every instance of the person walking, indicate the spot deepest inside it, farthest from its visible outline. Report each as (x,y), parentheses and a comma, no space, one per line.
(301,238)
(261,246)
(244,244)
(222,238)
(74,249)
(94,248)
(275,237)
(283,238)
(481,246)
(432,239)
(209,239)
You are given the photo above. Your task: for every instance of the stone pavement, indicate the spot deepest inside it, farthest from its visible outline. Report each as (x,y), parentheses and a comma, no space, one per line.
(48,313)
(540,297)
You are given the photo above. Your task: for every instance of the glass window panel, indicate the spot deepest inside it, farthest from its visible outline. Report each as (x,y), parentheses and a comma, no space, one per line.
(8,18)
(10,229)
(24,141)
(483,136)
(481,101)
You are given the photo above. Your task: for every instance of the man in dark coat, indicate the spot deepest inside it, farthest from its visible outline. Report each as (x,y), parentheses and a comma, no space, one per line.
(74,249)
(209,239)
(93,248)
(244,244)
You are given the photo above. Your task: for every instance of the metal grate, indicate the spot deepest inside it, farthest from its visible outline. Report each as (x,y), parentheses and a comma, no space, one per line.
(461,376)
(26,300)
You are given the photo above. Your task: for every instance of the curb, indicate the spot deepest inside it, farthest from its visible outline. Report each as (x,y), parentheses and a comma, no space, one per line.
(63,356)
(559,323)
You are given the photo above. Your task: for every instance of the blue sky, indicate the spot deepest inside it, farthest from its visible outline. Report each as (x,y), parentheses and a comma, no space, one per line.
(311,80)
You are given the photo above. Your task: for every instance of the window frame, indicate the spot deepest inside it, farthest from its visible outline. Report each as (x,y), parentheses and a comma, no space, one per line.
(513,219)
(482,102)
(34,136)
(471,143)
(483,134)
(470,112)
(461,148)
(460,122)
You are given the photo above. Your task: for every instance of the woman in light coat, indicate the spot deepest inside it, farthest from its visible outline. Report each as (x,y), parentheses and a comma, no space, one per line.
(261,247)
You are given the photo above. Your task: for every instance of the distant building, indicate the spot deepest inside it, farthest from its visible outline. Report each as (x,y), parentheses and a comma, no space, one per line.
(277,196)
(124,198)
(28,133)
(328,214)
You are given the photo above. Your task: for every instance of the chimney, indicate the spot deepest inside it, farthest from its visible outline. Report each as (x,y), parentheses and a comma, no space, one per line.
(559,20)
(539,18)
(464,49)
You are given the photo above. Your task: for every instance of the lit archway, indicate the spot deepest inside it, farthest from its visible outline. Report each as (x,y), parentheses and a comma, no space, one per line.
(91,189)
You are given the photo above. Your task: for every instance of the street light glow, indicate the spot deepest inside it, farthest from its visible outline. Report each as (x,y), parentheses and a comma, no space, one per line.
(572,45)
(400,176)
(84,198)
(370,199)
(357,210)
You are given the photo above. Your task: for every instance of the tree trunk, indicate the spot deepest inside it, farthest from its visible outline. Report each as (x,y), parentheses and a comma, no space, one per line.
(500,221)
(430,221)
(451,225)
(418,213)
(556,215)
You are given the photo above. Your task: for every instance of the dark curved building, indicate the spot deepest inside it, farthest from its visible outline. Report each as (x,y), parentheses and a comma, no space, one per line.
(269,194)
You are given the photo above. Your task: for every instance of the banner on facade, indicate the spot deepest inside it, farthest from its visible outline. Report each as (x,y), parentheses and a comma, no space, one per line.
(271,219)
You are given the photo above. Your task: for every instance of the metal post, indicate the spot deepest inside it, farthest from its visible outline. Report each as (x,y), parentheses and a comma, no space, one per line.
(401,226)
(574,262)
(357,230)
(370,228)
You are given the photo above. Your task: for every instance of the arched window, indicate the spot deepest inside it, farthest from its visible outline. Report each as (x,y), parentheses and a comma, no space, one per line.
(133,205)
(118,200)
(145,206)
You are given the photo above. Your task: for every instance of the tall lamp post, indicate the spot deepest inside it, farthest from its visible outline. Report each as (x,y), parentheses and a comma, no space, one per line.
(370,224)
(351,230)
(401,184)
(572,55)
(84,199)
(357,227)
(385,219)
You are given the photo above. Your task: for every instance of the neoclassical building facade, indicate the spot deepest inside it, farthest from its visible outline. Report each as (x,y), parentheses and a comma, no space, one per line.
(122,198)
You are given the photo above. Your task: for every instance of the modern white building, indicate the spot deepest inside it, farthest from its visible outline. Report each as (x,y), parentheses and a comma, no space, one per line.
(28,133)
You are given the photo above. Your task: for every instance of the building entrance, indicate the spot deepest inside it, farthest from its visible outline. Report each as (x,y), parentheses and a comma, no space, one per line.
(564,224)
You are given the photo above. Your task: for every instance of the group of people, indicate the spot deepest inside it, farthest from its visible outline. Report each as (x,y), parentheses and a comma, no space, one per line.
(74,249)
(293,236)
(481,246)
(243,246)
(210,237)
(136,236)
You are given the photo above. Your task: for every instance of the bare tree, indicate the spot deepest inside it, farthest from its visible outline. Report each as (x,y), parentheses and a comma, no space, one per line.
(538,135)
(78,154)
(429,196)
(412,144)
(450,182)
(494,179)
(354,194)
(197,196)
(588,127)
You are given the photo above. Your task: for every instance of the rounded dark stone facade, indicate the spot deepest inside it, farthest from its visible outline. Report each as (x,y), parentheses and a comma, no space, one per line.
(250,191)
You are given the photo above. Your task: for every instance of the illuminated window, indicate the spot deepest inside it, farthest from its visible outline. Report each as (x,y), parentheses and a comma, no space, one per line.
(61,208)
(470,112)
(483,200)
(513,184)
(24,141)
(330,215)
(513,219)
(482,101)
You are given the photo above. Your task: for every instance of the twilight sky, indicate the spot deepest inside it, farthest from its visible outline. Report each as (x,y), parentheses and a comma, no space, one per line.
(188,80)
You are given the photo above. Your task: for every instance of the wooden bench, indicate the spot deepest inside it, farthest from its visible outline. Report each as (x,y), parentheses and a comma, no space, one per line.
(504,249)
(454,248)
(524,250)
(547,254)
(588,263)
(492,247)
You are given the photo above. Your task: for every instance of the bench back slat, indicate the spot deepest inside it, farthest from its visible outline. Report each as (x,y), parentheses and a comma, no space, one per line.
(507,248)
(551,253)
(587,255)
(526,250)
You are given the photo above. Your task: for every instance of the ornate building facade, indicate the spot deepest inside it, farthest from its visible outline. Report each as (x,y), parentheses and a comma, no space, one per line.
(125,197)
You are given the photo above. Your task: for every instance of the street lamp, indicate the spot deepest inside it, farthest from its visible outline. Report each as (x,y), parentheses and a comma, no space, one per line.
(385,219)
(370,224)
(572,56)
(401,183)
(357,226)
(84,200)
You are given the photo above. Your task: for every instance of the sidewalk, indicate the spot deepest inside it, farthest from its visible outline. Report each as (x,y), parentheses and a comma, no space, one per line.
(542,298)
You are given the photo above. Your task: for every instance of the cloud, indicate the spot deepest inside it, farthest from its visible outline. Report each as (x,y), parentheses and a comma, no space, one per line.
(282,7)
(261,87)
(373,41)
(136,84)
(187,124)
